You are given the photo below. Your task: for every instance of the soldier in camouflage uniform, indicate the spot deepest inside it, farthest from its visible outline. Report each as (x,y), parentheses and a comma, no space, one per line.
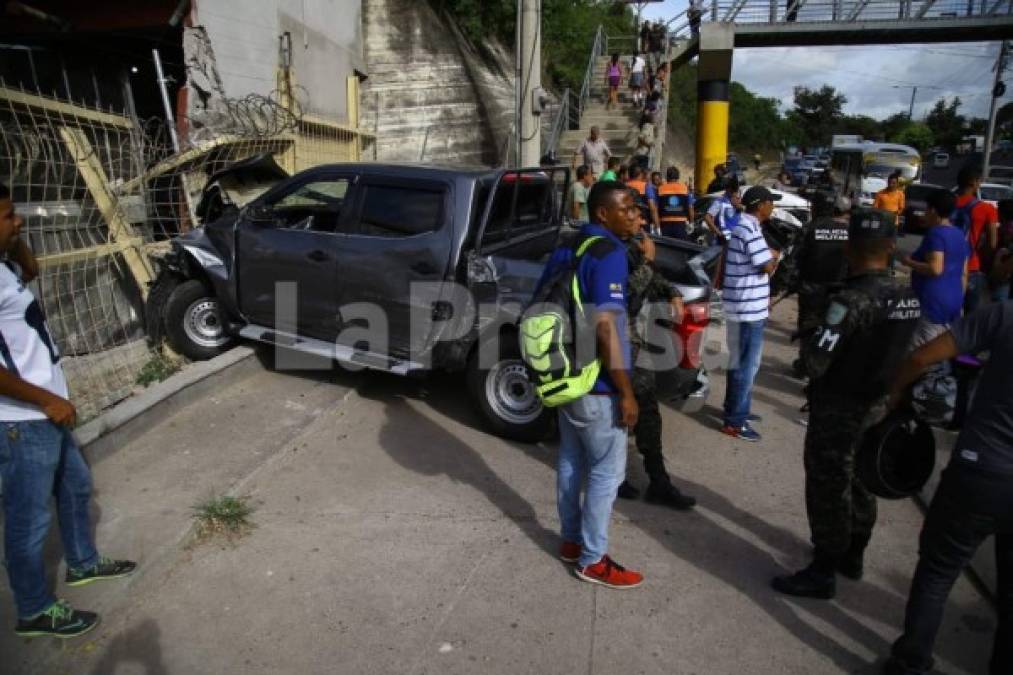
(821,269)
(647,285)
(861,341)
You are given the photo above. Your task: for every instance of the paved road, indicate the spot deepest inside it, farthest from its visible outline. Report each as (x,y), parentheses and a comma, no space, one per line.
(394,536)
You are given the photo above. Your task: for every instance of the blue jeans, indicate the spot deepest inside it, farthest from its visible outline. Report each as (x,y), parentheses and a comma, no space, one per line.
(40,460)
(977,285)
(745,348)
(591,447)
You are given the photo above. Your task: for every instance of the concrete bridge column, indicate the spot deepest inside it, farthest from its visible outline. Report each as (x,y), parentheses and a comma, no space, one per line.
(714,73)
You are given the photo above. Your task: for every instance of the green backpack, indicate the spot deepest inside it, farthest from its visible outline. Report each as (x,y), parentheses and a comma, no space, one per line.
(551,327)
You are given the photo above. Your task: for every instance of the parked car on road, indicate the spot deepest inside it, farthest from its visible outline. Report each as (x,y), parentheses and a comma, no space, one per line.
(793,166)
(993,192)
(328,242)
(940,160)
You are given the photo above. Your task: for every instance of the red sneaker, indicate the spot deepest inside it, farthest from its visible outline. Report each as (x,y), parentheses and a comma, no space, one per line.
(569,552)
(609,573)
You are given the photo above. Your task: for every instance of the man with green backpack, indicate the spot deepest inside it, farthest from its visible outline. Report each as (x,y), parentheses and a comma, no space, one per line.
(574,338)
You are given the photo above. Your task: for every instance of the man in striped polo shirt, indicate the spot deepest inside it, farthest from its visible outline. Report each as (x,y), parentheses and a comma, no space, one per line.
(749,262)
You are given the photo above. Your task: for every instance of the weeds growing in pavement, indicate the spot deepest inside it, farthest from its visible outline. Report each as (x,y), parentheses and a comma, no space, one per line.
(223,516)
(157,369)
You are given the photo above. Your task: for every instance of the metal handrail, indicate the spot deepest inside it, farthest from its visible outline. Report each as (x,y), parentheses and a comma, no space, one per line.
(838,11)
(596,51)
(551,142)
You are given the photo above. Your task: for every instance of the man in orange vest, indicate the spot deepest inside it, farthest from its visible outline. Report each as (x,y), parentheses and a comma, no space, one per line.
(648,199)
(675,206)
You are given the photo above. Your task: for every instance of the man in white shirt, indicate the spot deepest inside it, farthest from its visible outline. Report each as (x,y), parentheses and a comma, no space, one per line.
(723,214)
(637,67)
(594,152)
(39,458)
(749,262)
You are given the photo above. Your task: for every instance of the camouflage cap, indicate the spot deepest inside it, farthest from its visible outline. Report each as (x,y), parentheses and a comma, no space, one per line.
(869,224)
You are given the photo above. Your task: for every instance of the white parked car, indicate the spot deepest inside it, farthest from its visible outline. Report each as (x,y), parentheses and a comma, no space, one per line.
(870,186)
(993,192)
(940,160)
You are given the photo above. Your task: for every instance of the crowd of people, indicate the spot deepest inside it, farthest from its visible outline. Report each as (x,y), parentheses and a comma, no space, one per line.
(867,335)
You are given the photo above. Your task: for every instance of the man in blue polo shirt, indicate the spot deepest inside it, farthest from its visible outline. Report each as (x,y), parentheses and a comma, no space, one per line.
(593,429)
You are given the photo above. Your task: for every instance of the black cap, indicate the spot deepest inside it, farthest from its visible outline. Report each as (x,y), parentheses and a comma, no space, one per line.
(756,195)
(867,224)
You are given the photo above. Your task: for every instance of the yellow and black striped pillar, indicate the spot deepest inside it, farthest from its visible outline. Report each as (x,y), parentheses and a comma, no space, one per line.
(711,129)
(714,73)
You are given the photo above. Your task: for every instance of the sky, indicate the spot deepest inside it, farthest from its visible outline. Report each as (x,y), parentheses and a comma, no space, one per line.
(877,80)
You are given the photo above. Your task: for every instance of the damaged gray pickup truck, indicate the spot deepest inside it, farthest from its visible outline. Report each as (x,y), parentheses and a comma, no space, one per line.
(443,259)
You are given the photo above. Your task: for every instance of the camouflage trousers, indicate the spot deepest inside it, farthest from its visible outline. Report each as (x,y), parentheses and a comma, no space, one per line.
(812,299)
(842,512)
(648,429)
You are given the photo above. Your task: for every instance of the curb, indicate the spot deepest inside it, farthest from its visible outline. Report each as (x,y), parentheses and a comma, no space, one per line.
(131,418)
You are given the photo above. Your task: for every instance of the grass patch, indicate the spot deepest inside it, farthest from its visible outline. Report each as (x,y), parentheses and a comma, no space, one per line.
(157,369)
(223,516)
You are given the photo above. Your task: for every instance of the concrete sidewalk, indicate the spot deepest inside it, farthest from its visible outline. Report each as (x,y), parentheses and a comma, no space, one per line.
(394,536)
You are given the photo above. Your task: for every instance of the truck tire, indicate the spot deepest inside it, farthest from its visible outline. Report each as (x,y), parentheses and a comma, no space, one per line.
(193,323)
(154,307)
(506,399)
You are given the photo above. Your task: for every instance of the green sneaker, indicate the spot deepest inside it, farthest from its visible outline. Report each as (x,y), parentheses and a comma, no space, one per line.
(59,620)
(105,569)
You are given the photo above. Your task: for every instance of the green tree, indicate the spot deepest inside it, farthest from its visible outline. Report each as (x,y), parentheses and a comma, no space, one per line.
(1004,121)
(862,125)
(818,112)
(755,124)
(917,135)
(894,124)
(946,122)
(568,29)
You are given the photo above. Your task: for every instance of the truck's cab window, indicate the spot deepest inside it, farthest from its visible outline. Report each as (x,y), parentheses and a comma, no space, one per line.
(312,206)
(395,211)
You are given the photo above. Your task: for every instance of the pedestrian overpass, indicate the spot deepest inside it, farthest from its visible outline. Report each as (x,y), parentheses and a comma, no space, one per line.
(722,25)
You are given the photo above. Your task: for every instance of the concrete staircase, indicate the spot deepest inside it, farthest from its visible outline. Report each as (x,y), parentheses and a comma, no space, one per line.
(618,126)
(430,96)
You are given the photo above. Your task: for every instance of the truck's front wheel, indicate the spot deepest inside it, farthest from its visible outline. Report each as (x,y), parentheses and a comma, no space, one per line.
(507,399)
(194,325)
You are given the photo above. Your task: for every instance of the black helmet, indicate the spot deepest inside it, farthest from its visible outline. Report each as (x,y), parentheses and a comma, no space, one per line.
(896,456)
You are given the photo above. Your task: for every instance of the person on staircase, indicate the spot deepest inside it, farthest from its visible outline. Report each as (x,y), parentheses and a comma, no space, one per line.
(643,140)
(593,151)
(638,67)
(613,80)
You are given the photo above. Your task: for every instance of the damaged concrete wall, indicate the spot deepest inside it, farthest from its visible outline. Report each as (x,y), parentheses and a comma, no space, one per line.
(429,88)
(326,38)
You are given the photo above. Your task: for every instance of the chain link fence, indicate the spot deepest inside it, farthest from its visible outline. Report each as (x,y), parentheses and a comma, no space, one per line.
(102,194)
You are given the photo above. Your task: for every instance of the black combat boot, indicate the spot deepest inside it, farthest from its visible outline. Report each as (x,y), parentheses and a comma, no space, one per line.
(852,563)
(818,580)
(664,493)
(627,491)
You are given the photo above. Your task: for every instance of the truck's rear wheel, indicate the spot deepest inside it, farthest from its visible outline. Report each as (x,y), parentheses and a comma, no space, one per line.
(507,399)
(194,325)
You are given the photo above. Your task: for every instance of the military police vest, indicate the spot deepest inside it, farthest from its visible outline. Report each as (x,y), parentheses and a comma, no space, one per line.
(883,318)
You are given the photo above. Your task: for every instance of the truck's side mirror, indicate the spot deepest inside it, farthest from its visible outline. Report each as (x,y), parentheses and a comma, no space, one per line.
(262,214)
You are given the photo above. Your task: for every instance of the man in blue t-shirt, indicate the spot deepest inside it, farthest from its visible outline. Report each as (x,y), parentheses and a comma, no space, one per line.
(939,269)
(593,429)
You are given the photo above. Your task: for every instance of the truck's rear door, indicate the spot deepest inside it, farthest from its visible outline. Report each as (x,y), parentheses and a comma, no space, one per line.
(521,215)
(402,236)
